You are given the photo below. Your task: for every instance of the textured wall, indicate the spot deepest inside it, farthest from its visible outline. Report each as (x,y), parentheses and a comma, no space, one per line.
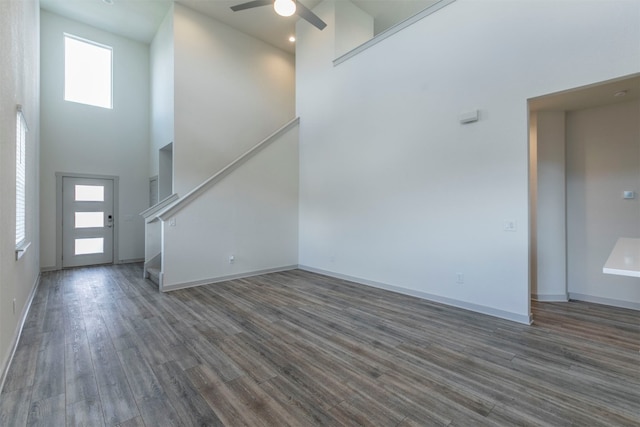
(19,84)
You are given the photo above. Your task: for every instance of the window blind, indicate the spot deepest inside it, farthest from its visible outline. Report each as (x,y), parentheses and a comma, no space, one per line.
(21,184)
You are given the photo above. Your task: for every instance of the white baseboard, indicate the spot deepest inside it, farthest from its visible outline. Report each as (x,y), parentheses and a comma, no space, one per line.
(6,363)
(550,297)
(527,320)
(185,285)
(605,301)
(129,261)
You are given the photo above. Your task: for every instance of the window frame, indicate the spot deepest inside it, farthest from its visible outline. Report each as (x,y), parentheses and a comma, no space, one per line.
(21,235)
(94,44)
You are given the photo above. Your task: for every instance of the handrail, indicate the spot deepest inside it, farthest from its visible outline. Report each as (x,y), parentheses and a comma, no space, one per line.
(392,30)
(178,205)
(153,210)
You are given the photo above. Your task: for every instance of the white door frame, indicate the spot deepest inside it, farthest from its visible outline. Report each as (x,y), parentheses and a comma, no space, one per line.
(116,212)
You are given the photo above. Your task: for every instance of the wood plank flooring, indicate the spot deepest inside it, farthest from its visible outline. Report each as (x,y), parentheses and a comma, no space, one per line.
(101,347)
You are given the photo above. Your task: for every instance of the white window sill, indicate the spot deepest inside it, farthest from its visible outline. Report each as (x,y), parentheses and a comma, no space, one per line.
(21,250)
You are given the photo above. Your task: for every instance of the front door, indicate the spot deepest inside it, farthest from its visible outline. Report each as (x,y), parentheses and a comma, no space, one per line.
(87,221)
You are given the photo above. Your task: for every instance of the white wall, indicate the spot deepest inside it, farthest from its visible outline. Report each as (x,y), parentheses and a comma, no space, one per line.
(603,159)
(251,214)
(162,97)
(231,92)
(551,277)
(353,26)
(19,84)
(393,190)
(90,140)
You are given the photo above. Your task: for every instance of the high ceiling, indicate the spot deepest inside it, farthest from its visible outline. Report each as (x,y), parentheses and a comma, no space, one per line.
(135,19)
(139,19)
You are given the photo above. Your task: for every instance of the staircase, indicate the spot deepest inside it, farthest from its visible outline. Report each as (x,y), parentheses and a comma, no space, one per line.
(153,274)
(188,253)
(152,245)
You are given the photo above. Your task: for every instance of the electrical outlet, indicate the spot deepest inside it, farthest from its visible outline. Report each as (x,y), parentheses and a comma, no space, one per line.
(510,225)
(232,259)
(172,222)
(459,278)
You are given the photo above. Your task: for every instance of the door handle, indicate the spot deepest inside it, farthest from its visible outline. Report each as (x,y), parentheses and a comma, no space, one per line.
(110,221)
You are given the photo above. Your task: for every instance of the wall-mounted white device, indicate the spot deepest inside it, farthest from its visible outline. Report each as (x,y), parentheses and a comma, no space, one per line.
(628,194)
(469,116)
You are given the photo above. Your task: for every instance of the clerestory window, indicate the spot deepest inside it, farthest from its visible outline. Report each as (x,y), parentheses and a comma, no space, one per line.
(88,69)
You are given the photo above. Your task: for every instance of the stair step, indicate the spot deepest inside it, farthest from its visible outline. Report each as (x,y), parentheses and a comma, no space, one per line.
(154,275)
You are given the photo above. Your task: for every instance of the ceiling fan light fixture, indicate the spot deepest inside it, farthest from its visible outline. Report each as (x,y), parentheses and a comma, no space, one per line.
(284,7)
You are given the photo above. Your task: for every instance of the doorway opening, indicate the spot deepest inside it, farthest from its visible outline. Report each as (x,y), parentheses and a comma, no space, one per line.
(584,157)
(165,172)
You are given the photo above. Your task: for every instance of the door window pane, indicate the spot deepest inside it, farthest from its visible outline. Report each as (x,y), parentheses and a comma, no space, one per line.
(93,245)
(89,219)
(89,193)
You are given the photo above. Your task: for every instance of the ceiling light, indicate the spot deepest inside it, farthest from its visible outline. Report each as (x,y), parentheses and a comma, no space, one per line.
(284,7)
(620,93)
(292,39)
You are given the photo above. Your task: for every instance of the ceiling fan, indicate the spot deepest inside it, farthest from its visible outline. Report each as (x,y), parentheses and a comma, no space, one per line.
(285,8)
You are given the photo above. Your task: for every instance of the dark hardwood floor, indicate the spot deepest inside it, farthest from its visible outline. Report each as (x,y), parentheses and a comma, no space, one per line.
(102,347)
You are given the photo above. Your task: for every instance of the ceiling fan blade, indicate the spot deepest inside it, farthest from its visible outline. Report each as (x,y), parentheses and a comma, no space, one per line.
(305,13)
(251,4)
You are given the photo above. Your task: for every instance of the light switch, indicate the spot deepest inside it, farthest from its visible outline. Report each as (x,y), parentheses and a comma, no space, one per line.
(628,194)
